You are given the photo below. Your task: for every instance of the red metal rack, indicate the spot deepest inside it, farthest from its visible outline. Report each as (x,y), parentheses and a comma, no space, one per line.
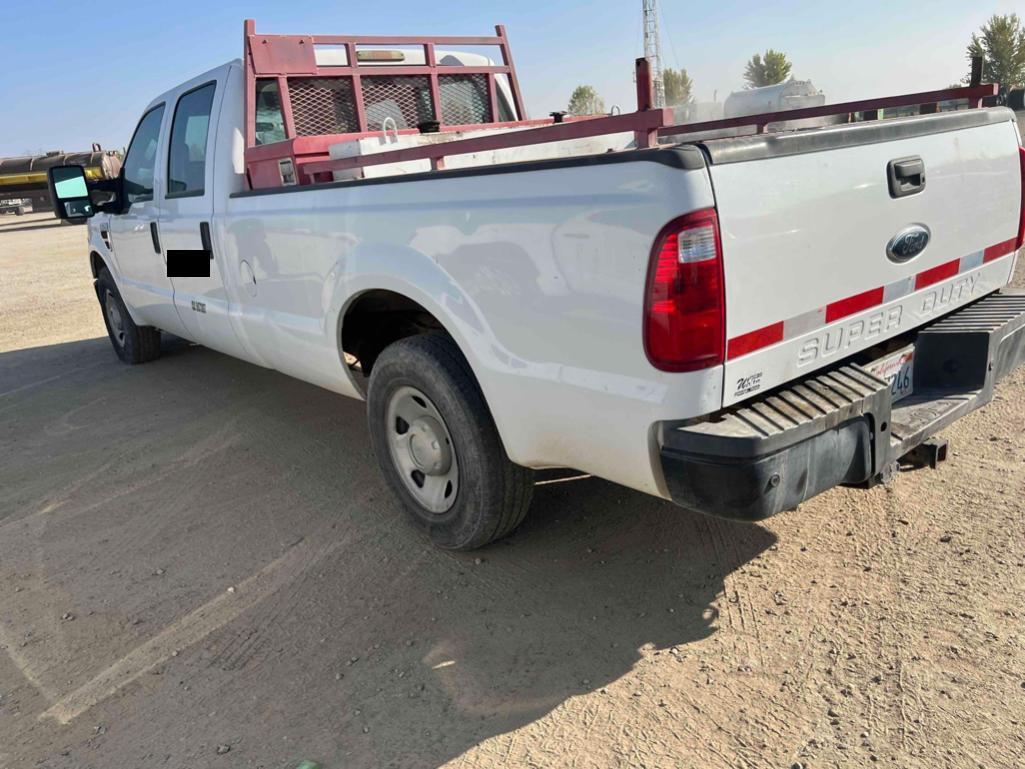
(291,61)
(288,57)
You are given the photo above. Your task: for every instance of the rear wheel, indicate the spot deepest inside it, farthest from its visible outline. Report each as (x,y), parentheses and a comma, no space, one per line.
(438,447)
(133,344)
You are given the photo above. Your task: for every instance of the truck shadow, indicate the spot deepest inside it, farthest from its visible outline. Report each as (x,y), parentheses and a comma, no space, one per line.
(381,651)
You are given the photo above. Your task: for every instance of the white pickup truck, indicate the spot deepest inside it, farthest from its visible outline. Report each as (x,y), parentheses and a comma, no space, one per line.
(732,324)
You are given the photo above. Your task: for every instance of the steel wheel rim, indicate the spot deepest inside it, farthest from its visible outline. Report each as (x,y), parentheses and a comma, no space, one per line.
(117,326)
(422,450)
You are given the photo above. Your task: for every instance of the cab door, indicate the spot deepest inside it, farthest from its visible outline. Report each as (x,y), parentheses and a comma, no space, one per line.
(200,295)
(140,271)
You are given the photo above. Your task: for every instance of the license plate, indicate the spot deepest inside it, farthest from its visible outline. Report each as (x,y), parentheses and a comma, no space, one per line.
(898,370)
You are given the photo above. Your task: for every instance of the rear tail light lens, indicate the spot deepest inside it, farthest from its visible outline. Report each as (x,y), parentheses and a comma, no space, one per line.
(684,312)
(1021,221)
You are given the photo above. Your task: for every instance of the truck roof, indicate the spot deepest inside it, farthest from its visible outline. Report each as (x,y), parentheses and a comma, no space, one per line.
(203,77)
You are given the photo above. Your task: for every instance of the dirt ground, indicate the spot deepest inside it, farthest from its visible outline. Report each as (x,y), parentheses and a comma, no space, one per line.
(200,567)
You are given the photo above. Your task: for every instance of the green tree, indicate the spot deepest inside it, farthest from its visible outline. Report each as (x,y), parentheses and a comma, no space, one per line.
(768,70)
(1001,44)
(585,101)
(678,87)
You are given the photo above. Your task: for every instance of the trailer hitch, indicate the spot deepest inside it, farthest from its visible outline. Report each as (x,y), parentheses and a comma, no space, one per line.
(928,453)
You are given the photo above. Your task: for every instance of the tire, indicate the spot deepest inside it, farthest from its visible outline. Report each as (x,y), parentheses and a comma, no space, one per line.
(133,344)
(491,495)
(19,211)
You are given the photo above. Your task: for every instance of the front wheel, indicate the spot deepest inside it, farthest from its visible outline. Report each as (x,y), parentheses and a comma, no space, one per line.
(133,344)
(438,447)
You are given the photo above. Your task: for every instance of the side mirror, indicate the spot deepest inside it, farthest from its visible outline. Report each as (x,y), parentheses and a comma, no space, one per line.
(70,193)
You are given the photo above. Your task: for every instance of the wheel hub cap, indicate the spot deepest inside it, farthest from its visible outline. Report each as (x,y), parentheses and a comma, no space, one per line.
(421,449)
(427,446)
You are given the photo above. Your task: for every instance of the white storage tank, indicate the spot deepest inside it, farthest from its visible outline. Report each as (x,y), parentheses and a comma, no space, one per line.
(791,94)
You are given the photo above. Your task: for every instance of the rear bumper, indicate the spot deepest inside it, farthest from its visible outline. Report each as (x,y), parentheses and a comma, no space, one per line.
(841,426)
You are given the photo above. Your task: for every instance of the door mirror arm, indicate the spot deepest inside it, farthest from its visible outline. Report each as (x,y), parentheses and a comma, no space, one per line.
(77,198)
(109,201)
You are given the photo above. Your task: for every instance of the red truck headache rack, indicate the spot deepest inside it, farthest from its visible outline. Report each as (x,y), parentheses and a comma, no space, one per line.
(333,88)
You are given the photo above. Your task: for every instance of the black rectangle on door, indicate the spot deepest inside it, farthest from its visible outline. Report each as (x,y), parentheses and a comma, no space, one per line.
(188,263)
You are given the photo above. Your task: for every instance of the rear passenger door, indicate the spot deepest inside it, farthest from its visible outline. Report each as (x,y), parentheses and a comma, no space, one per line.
(186,216)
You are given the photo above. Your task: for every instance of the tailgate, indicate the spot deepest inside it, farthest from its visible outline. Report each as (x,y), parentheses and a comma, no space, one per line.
(822,260)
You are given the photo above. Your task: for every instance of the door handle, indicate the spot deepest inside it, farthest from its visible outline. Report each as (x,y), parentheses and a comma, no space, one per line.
(204,238)
(906,176)
(155,236)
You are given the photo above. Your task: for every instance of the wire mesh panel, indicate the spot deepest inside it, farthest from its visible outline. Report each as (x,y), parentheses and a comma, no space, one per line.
(464,99)
(322,105)
(406,99)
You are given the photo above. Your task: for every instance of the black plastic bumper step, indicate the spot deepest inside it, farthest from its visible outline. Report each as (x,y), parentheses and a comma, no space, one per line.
(772,422)
(841,427)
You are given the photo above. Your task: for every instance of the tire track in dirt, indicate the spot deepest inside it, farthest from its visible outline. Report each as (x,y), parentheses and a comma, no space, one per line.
(734,624)
(183,633)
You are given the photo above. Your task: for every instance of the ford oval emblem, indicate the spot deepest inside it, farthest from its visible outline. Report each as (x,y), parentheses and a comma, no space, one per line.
(908,243)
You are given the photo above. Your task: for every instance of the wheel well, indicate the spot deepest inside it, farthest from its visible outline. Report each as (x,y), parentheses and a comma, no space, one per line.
(375,320)
(96,263)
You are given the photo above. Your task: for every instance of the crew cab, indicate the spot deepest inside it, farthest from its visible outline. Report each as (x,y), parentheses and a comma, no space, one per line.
(735,324)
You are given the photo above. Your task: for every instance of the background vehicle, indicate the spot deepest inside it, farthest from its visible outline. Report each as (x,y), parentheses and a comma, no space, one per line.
(15,206)
(735,324)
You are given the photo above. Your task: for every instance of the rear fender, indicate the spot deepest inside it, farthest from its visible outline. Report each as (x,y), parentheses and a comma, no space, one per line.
(421,279)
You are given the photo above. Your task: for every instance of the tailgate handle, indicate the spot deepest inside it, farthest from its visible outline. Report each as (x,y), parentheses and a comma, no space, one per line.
(906,176)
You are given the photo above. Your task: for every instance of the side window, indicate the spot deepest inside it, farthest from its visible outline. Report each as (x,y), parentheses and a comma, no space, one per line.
(464,99)
(186,154)
(270,121)
(141,160)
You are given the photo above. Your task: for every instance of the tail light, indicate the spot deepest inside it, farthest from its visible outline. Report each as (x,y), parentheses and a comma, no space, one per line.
(1021,221)
(684,310)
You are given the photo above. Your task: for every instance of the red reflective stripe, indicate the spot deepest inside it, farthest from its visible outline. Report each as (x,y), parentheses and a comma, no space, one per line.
(755,340)
(842,308)
(1000,249)
(936,274)
(853,304)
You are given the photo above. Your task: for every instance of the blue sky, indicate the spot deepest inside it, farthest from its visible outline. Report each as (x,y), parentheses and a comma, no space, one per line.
(77,73)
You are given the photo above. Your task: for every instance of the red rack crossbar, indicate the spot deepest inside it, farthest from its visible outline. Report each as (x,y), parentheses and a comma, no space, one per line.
(869,108)
(643,122)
